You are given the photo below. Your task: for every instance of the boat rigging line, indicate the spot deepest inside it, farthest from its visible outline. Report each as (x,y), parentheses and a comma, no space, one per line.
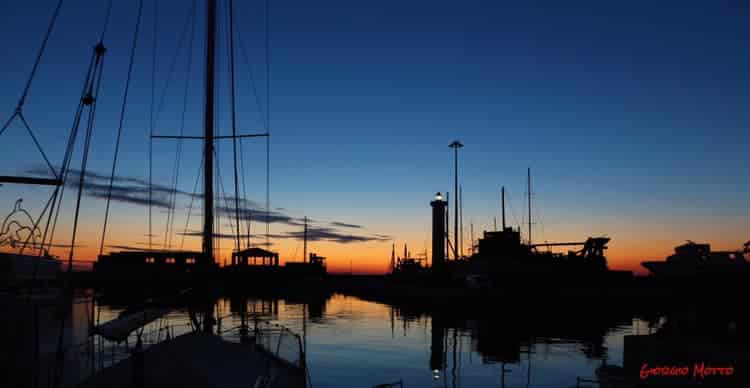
(43,47)
(192,198)
(89,98)
(234,122)
(120,125)
(93,75)
(151,126)
(18,113)
(169,226)
(268,123)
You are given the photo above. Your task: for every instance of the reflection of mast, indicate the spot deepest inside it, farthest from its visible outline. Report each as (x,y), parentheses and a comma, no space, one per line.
(528,370)
(436,345)
(304,327)
(453,370)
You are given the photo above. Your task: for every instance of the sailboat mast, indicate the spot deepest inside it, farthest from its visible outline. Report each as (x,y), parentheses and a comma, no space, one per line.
(304,251)
(502,201)
(208,141)
(528,177)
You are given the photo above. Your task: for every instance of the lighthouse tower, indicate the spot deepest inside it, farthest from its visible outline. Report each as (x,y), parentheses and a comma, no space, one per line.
(438,231)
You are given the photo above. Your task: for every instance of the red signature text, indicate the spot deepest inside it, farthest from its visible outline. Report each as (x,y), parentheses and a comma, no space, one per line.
(698,371)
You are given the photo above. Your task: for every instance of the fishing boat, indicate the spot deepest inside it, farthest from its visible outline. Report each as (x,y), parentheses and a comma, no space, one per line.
(504,259)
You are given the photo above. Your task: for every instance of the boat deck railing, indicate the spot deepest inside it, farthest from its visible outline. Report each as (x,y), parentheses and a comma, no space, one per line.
(84,360)
(276,340)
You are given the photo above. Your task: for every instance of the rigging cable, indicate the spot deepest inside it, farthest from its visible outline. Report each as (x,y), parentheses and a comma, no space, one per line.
(65,170)
(223,193)
(192,198)
(173,64)
(93,75)
(42,48)
(234,122)
(262,115)
(151,128)
(178,152)
(89,99)
(18,113)
(247,213)
(122,120)
(268,127)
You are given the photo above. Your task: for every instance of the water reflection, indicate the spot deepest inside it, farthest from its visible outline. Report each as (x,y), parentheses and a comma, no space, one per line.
(364,343)
(348,341)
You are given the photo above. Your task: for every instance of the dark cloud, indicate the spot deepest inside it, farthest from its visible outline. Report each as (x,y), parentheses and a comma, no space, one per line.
(313,234)
(332,235)
(197,233)
(345,225)
(257,215)
(137,248)
(136,191)
(126,247)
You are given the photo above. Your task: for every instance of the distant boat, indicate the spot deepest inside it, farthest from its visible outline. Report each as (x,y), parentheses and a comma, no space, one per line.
(692,260)
(503,256)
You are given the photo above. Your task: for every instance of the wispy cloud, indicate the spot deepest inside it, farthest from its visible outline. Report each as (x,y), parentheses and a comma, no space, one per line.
(345,225)
(136,191)
(333,235)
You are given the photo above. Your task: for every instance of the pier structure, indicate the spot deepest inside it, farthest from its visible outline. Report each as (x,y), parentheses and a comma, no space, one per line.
(243,257)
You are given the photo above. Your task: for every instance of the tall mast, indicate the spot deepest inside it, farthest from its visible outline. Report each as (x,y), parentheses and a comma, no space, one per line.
(208,142)
(502,202)
(528,177)
(393,257)
(447,226)
(461,220)
(304,249)
(472,239)
(455,145)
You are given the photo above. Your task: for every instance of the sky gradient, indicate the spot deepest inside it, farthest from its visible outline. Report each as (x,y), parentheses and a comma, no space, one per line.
(632,116)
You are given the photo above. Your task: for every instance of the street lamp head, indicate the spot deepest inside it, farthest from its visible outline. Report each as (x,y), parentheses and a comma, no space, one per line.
(438,196)
(456,144)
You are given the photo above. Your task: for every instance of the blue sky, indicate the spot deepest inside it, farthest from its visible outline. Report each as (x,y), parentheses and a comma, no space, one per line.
(632,115)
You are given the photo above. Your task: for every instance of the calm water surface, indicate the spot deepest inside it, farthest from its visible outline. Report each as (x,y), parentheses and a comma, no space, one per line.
(356,343)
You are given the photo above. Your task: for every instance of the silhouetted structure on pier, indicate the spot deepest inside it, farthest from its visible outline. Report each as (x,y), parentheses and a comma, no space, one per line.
(438,231)
(243,257)
(150,265)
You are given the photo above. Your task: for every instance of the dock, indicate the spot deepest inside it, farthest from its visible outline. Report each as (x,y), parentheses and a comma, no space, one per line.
(201,360)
